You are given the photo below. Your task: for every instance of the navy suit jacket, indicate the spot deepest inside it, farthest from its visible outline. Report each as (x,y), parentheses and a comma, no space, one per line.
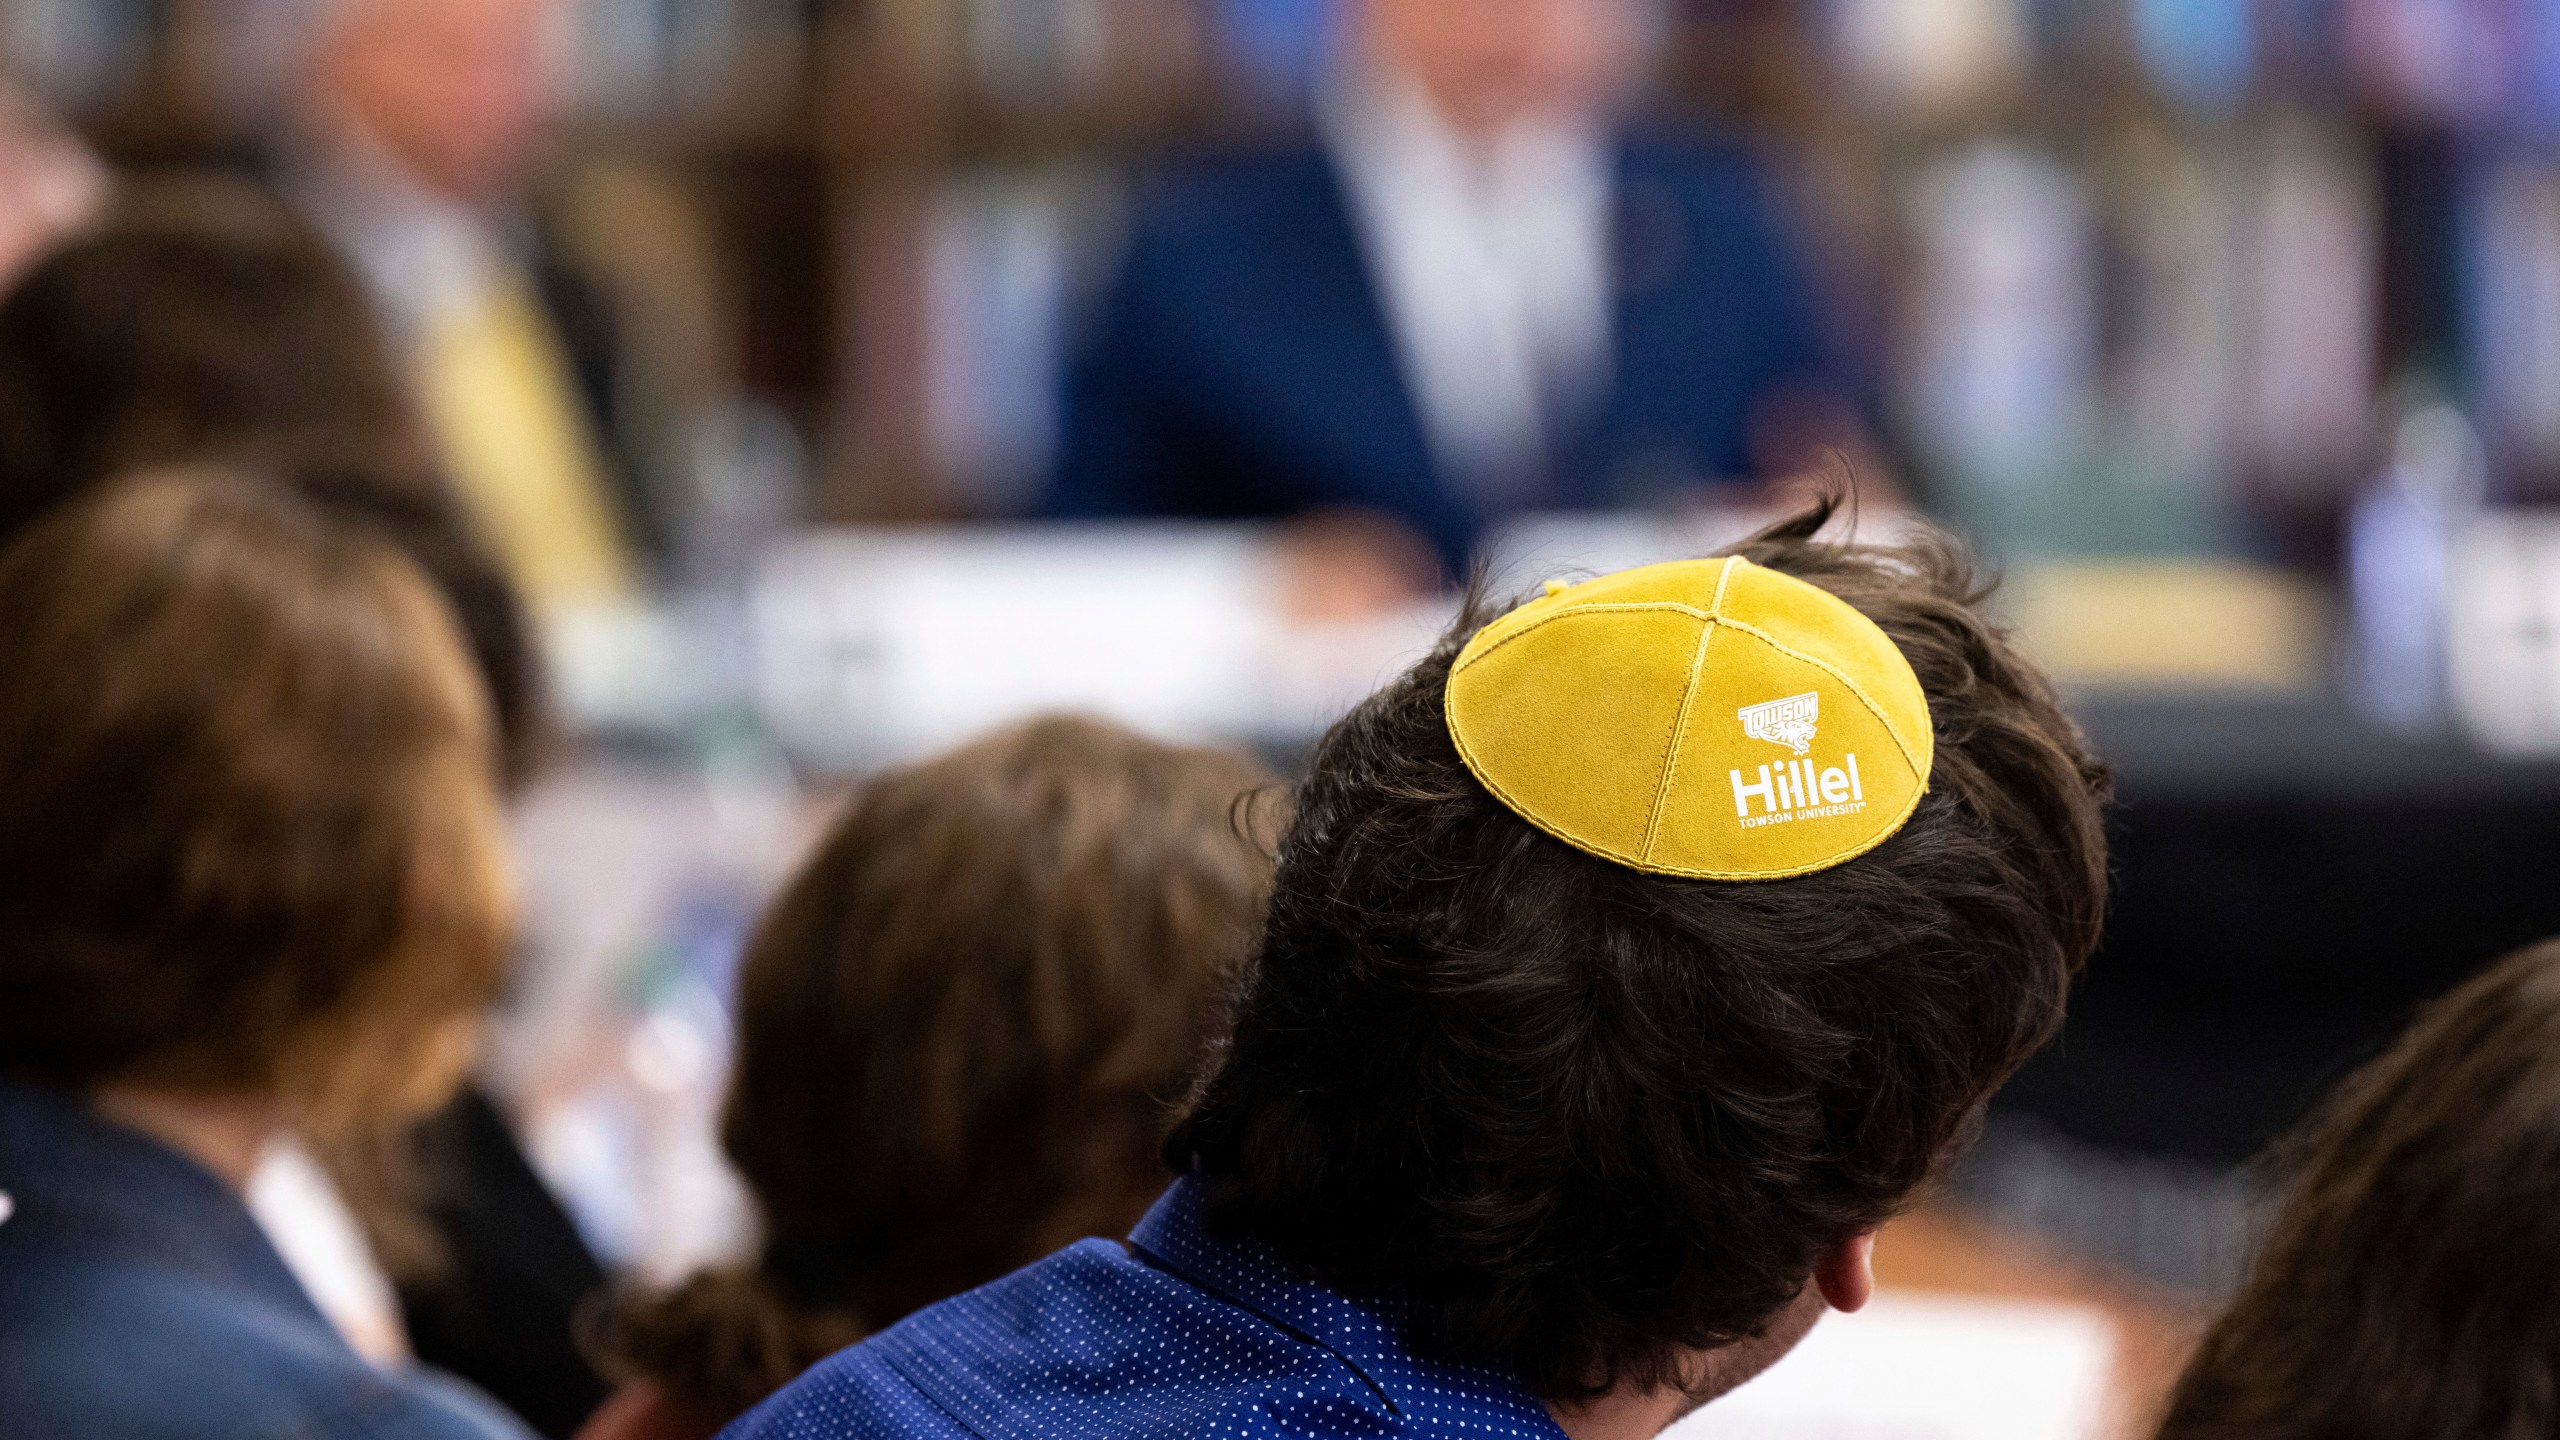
(1242,366)
(138,1301)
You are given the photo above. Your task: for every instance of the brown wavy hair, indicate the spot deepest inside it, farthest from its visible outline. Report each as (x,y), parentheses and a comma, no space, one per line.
(960,1030)
(2409,1284)
(249,829)
(1579,1121)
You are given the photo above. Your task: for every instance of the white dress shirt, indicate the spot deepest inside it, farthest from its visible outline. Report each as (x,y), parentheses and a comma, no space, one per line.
(422,255)
(307,1220)
(1491,261)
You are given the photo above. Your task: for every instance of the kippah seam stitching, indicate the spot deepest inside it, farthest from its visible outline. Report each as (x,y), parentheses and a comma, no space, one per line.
(1670,606)
(1591,847)
(1852,686)
(1724,578)
(1671,745)
(1503,793)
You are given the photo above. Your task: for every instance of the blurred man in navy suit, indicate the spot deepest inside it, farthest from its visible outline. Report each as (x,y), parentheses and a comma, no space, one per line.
(1474,296)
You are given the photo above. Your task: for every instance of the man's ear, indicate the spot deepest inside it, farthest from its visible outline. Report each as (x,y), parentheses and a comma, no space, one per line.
(1847,1276)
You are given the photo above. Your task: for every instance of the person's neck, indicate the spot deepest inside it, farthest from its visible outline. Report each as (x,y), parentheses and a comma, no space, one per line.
(1622,1415)
(225,1132)
(1628,1413)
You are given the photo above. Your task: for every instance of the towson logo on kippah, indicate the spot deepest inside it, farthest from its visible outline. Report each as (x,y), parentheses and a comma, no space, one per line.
(1787,722)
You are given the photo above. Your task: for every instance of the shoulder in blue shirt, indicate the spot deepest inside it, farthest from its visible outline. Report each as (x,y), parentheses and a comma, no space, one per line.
(138,1301)
(1176,1334)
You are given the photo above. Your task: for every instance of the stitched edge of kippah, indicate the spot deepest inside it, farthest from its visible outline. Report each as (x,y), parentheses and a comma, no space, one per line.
(1710,619)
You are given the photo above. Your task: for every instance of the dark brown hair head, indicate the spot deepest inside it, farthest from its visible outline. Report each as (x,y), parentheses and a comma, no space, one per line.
(2409,1285)
(204,323)
(960,1030)
(248,834)
(1575,1119)
(201,322)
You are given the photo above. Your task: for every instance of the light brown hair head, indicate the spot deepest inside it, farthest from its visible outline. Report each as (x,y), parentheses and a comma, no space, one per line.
(249,835)
(2409,1286)
(961,1028)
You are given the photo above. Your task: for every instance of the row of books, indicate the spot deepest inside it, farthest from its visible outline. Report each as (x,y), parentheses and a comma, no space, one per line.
(2142,346)
(616,56)
(2473,63)
(2137,345)
(76,51)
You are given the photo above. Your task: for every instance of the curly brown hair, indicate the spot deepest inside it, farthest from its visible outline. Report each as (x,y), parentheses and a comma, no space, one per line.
(2409,1284)
(1578,1120)
(961,1031)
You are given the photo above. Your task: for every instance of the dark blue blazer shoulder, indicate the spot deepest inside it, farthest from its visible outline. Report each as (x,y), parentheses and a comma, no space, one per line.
(139,1301)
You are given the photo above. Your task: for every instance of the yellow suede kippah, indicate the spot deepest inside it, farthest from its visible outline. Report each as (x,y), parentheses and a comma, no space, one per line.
(1707,718)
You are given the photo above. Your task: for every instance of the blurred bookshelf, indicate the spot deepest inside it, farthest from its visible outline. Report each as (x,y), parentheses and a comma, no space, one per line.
(2126,276)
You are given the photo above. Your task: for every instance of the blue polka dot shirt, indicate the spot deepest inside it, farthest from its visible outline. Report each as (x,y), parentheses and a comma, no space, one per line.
(1178,1333)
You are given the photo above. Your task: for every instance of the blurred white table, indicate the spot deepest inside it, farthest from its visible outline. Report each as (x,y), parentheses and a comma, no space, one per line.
(879,644)
(1921,1366)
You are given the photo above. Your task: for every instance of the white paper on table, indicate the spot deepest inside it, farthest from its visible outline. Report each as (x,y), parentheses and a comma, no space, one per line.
(1911,1367)
(2502,654)
(876,645)
(881,645)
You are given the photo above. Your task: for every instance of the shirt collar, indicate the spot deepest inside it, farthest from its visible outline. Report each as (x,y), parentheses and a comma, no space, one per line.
(423,254)
(81,1182)
(1365,1335)
(1383,124)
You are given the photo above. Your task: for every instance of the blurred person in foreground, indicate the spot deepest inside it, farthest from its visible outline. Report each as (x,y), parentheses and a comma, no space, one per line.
(201,322)
(252,882)
(1478,293)
(961,1028)
(411,143)
(2409,1284)
(1629,961)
